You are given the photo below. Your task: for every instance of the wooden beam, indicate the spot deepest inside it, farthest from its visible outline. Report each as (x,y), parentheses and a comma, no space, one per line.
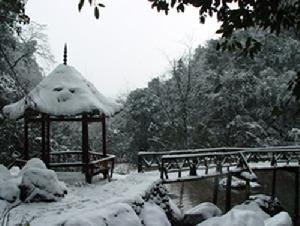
(63,119)
(25,150)
(104,135)
(85,148)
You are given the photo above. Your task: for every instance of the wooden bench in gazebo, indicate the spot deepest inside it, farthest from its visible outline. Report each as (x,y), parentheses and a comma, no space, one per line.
(65,96)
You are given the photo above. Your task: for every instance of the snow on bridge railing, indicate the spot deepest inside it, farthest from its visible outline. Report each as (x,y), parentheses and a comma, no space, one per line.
(175,168)
(273,155)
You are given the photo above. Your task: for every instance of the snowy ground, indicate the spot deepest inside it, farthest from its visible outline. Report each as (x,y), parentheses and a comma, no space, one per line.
(81,197)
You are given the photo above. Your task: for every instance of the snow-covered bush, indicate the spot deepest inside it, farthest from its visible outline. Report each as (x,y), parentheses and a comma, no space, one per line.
(118,214)
(201,213)
(235,217)
(39,183)
(158,195)
(271,206)
(251,213)
(280,219)
(153,215)
(8,186)
(34,163)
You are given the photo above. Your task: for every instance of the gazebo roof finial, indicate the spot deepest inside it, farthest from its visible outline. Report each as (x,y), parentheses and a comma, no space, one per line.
(65,54)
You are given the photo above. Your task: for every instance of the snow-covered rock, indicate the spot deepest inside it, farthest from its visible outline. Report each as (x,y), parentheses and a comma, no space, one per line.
(119,214)
(40,184)
(153,215)
(9,190)
(280,219)
(63,92)
(201,213)
(235,217)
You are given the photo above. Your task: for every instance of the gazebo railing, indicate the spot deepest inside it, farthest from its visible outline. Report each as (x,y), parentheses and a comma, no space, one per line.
(98,163)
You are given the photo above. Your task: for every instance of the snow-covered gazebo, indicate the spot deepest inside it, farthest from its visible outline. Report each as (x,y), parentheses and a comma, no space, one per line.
(65,95)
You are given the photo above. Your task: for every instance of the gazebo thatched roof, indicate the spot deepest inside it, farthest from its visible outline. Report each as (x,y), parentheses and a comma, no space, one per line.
(64,92)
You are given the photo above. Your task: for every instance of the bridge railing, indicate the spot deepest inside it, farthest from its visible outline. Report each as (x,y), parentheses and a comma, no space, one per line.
(202,165)
(152,160)
(217,158)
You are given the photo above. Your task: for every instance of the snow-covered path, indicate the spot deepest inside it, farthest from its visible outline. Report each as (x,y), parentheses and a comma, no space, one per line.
(82,198)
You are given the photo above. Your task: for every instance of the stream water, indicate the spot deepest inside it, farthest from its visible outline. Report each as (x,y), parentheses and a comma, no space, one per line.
(196,192)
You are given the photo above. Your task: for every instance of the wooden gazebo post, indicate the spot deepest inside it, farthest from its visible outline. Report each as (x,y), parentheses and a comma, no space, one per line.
(85,148)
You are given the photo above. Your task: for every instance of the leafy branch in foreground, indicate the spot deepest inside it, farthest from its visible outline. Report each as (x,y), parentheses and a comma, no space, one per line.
(95,4)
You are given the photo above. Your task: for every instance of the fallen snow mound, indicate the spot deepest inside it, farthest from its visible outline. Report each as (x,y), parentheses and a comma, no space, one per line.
(63,92)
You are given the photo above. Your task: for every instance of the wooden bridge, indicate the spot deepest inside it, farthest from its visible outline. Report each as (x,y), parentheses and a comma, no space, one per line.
(197,164)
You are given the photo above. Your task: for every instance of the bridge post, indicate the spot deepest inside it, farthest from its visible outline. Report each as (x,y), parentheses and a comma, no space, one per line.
(296,204)
(228,193)
(248,188)
(216,188)
(162,169)
(274,183)
(140,168)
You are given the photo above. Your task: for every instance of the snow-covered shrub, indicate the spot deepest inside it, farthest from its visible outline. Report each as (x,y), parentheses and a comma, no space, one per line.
(118,214)
(280,219)
(8,186)
(15,171)
(271,206)
(4,173)
(39,183)
(177,215)
(34,163)
(153,215)
(158,195)
(201,213)
(137,205)
(235,217)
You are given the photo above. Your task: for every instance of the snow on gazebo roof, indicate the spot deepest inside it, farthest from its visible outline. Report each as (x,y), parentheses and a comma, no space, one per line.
(64,92)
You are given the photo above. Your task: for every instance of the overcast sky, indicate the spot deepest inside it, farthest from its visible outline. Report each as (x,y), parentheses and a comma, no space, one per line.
(129,45)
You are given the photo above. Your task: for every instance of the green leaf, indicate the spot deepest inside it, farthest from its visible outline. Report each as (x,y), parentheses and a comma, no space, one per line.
(80,5)
(101,5)
(96,12)
(90,1)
